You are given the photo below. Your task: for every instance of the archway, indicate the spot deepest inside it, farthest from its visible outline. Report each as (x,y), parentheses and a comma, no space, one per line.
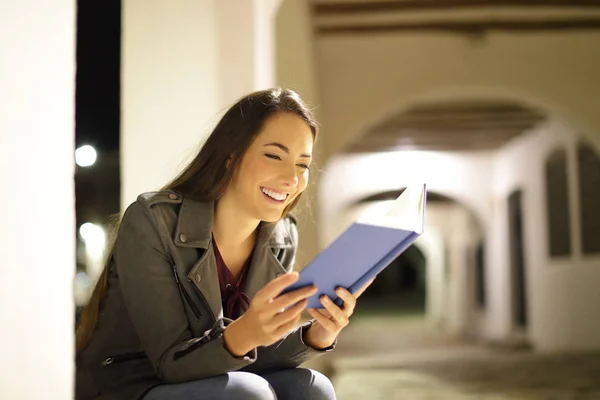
(486,291)
(390,74)
(436,278)
(400,288)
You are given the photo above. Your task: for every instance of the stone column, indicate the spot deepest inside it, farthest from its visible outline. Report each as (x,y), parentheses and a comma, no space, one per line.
(37,210)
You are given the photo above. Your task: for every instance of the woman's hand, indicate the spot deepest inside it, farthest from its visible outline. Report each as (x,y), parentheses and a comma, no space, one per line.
(331,320)
(268,318)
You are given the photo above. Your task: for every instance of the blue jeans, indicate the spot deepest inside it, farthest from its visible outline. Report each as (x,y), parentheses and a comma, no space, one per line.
(287,384)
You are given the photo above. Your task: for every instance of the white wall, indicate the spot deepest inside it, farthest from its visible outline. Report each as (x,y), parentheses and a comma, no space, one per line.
(563,293)
(295,62)
(169,89)
(37,255)
(245,46)
(295,68)
(184,63)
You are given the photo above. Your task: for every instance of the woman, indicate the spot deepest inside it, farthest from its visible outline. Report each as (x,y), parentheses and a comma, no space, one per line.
(188,304)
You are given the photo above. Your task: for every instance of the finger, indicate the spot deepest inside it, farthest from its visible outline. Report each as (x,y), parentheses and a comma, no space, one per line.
(338,315)
(349,300)
(323,311)
(290,314)
(292,297)
(285,328)
(276,286)
(362,289)
(325,322)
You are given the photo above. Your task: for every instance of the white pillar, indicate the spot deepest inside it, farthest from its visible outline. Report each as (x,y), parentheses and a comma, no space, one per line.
(498,321)
(432,243)
(295,68)
(457,286)
(169,88)
(184,62)
(245,35)
(37,228)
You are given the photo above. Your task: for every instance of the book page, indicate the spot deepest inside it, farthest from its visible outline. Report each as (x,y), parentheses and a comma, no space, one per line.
(407,211)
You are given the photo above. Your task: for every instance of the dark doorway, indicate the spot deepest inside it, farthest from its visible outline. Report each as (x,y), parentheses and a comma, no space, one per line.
(517,258)
(97,124)
(400,288)
(480,287)
(97,109)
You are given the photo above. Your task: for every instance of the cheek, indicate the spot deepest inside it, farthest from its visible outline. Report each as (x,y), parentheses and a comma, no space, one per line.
(302,181)
(254,171)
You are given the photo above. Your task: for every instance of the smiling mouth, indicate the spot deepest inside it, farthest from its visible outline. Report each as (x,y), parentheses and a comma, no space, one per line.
(274,195)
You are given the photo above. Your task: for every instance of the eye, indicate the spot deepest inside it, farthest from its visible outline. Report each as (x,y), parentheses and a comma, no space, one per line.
(304,166)
(273,156)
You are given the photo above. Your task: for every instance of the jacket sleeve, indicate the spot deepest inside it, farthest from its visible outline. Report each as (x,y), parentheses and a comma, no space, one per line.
(156,309)
(290,351)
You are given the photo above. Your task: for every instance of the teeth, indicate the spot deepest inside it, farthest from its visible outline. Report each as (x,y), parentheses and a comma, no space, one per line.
(274,195)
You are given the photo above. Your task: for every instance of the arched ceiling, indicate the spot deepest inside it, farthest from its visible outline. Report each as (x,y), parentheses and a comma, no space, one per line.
(352,17)
(432,197)
(449,126)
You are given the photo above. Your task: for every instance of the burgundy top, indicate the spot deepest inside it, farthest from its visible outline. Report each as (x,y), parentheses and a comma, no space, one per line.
(234,300)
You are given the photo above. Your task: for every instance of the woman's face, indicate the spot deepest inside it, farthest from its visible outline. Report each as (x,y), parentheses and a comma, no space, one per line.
(274,169)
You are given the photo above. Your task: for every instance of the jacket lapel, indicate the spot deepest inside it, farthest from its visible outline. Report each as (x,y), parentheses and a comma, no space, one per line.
(205,277)
(194,230)
(194,227)
(265,266)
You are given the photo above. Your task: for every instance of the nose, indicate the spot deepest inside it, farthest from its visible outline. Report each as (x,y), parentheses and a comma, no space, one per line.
(290,177)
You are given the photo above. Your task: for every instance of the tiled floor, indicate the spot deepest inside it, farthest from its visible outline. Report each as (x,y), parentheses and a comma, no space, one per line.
(401,359)
(497,377)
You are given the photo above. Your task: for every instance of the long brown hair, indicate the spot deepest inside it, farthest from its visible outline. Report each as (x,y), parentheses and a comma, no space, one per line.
(205,178)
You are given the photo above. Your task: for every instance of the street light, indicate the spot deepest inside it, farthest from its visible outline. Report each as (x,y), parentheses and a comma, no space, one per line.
(85,156)
(94,238)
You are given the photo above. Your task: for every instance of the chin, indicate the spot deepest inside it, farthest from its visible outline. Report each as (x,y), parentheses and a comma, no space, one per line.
(271,217)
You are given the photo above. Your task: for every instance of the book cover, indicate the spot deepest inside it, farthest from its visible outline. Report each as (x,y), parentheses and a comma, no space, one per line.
(366,247)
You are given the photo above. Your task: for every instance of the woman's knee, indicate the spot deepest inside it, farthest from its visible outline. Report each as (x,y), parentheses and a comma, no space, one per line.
(232,386)
(321,387)
(301,383)
(248,386)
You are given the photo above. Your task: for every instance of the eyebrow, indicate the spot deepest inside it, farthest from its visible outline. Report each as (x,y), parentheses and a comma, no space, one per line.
(284,148)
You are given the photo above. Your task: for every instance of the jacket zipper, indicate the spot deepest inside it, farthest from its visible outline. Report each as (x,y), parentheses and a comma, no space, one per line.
(204,301)
(201,295)
(187,296)
(122,357)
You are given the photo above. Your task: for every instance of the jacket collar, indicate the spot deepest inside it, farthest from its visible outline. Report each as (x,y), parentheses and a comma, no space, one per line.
(194,224)
(194,227)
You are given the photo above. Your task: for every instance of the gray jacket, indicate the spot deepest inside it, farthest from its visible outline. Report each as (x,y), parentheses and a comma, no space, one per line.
(162,318)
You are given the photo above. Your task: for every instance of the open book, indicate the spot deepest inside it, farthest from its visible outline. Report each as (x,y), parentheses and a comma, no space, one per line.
(366,248)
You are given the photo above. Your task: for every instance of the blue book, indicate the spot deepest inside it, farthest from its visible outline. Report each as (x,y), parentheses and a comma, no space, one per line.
(365,248)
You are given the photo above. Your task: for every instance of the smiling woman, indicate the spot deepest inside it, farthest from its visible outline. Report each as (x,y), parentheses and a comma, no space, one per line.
(188,305)
(273,172)
(274,125)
